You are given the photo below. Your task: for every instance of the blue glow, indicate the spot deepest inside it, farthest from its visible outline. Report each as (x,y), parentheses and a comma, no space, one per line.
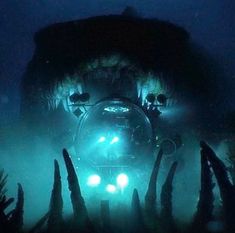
(122,180)
(111,188)
(117,109)
(93,180)
(114,140)
(101,139)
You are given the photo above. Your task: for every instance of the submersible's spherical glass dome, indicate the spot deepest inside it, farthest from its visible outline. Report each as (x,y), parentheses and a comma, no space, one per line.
(113,130)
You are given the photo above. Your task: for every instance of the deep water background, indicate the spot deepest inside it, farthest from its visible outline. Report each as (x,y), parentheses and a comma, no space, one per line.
(212,26)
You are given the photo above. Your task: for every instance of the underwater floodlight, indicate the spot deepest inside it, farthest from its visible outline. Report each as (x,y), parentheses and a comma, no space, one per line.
(93,180)
(161,98)
(150,98)
(84,97)
(122,180)
(110,188)
(101,139)
(114,140)
(76,97)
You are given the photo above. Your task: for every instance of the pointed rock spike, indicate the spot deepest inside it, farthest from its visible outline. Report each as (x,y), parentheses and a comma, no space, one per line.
(206,198)
(81,219)
(151,194)
(137,222)
(105,216)
(16,220)
(55,218)
(167,220)
(227,190)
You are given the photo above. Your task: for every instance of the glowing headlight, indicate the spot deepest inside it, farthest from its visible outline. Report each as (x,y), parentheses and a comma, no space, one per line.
(93,180)
(101,139)
(122,180)
(114,140)
(110,188)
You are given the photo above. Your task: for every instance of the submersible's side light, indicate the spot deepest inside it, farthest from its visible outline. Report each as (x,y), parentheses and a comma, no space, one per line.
(77,97)
(161,98)
(111,188)
(122,180)
(150,98)
(93,180)
(101,139)
(114,140)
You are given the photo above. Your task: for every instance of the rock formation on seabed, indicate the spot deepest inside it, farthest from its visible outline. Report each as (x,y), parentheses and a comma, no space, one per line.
(142,219)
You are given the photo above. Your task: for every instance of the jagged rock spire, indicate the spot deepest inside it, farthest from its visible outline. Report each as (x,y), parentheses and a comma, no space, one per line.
(55,219)
(167,219)
(151,194)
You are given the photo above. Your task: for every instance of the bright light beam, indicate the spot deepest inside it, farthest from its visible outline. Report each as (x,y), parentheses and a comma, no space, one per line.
(114,140)
(93,180)
(101,139)
(110,188)
(122,180)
